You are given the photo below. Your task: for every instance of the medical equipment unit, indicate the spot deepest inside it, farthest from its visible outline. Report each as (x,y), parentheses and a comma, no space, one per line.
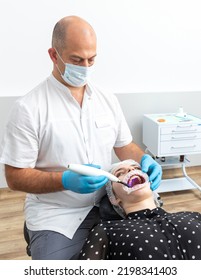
(92,171)
(169,138)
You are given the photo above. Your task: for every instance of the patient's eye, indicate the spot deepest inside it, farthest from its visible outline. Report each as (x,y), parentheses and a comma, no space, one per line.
(119,173)
(138,168)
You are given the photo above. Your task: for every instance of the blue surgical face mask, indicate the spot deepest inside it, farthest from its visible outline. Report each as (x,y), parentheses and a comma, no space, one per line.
(75,75)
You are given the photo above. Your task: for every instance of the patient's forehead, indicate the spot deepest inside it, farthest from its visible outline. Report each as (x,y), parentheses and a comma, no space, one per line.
(125,167)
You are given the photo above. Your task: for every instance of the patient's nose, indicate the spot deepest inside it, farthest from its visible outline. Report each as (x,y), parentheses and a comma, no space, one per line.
(130,168)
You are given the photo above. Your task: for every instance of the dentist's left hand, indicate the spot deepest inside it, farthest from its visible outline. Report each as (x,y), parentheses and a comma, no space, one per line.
(153,169)
(82,184)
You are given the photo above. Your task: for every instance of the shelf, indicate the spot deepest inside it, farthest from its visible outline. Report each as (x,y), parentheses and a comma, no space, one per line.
(175,184)
(172,161)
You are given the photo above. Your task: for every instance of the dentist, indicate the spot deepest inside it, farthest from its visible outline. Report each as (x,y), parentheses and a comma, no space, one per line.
(66,119)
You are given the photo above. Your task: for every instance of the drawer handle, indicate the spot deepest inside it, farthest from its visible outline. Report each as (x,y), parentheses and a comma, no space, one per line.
(185,147)
(186,138)
(184,126)
(186,131)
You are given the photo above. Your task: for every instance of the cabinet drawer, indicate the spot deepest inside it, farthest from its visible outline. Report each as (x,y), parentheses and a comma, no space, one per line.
(180,129)
(180,147)
(180,136)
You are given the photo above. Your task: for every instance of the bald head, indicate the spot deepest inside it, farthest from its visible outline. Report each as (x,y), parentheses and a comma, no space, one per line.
(71,30)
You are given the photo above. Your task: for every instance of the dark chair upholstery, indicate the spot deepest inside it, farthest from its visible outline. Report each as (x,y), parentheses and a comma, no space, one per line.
(26,237)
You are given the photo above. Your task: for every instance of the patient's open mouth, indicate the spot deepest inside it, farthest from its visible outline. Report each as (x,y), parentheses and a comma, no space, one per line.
(136,179)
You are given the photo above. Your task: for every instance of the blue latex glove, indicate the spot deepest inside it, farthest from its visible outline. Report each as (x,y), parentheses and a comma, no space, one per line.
(82,184)
(153,169)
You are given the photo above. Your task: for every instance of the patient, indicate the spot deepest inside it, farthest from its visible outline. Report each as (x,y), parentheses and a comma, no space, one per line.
(139,230)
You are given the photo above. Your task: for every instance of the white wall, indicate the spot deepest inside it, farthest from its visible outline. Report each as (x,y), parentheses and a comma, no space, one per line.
(6,104)
(143,45)
(148,52)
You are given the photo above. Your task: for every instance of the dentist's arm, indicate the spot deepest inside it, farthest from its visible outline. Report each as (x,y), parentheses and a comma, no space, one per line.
(35,181)
(130,151)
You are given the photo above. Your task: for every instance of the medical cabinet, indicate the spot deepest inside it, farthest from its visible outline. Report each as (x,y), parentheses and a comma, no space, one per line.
(170,138)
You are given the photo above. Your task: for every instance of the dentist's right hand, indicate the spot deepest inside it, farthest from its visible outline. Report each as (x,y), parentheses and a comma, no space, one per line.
(82,184)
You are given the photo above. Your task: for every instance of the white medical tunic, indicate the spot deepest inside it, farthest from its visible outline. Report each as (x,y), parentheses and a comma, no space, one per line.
(48,130)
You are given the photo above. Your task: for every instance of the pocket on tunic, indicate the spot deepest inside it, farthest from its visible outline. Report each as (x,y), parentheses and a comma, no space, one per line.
(106,130)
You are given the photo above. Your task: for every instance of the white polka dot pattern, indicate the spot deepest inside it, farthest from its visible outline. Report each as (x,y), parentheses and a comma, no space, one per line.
(147,235)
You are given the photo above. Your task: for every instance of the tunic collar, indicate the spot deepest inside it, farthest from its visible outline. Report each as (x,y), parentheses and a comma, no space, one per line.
(64,88)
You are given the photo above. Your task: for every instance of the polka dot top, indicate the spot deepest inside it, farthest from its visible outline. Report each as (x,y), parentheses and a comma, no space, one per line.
(146,235)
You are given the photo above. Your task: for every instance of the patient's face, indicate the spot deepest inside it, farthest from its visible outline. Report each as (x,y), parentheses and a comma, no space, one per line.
(133,176)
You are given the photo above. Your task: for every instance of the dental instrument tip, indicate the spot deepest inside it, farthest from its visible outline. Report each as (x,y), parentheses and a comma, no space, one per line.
(124,184)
